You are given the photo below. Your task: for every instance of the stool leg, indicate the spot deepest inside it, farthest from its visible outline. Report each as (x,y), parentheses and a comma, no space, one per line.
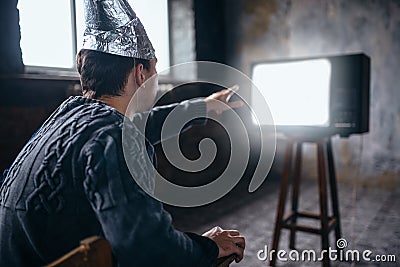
(334,194)
(281,201)
(323,201)
(295,193)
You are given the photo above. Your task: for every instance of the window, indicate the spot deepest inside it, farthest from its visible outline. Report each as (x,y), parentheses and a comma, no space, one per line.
(52,31)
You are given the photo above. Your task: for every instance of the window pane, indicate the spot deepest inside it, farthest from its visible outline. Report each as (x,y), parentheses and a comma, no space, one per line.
(46,33)
(80,22)
(154,16)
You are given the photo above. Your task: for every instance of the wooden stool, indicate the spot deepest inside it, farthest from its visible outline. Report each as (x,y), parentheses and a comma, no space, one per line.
(289,221)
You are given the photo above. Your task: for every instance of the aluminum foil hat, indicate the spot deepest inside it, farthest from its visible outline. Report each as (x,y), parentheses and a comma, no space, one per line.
(113,27)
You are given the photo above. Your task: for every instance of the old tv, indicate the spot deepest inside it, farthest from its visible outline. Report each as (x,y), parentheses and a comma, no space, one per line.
(327,95)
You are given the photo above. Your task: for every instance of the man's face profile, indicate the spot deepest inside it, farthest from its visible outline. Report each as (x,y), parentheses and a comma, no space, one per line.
(145,95)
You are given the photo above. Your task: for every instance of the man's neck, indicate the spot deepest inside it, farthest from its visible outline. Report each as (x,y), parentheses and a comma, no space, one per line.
(120,103)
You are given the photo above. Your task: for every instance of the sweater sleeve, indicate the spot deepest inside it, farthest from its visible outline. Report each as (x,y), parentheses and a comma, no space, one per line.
(152,121)
(139,230)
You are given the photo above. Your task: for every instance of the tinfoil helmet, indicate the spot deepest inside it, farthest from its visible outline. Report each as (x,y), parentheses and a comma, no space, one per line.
(113,27)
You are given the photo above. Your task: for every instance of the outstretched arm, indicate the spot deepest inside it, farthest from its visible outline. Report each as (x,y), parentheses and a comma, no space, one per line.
(152,121)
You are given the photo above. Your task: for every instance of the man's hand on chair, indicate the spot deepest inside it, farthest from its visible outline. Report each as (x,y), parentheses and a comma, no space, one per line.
(228,241)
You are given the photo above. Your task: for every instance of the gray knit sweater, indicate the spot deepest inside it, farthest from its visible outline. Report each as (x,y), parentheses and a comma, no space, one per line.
(70,181)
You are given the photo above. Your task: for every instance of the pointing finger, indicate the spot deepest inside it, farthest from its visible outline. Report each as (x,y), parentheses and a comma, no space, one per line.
(236,104)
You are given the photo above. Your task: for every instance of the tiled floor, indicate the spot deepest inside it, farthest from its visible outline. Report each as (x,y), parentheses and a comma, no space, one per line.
(370,220)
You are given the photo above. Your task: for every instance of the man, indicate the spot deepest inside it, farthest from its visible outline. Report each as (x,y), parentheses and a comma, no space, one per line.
(71,181)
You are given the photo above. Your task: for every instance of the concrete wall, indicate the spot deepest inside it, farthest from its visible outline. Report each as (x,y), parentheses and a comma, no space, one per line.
(10,51)
(182,32)
(273,29)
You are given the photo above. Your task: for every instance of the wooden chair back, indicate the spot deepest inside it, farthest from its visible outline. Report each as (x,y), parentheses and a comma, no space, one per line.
(92,252)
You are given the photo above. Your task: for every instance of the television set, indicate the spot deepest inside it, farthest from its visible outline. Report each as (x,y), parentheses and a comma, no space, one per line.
(326,95)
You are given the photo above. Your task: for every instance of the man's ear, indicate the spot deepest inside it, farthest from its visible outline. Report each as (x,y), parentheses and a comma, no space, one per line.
(139,74)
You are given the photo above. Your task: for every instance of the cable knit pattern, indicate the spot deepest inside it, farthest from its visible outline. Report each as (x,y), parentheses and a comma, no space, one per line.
(50,180)
(71,181)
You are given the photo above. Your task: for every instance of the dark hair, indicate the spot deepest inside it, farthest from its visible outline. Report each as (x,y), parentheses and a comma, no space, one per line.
(104,74)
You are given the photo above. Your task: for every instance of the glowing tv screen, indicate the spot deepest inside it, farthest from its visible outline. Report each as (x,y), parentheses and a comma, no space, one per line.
(322,93)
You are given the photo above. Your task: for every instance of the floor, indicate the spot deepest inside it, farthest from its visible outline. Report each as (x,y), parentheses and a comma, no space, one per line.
(370,220)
